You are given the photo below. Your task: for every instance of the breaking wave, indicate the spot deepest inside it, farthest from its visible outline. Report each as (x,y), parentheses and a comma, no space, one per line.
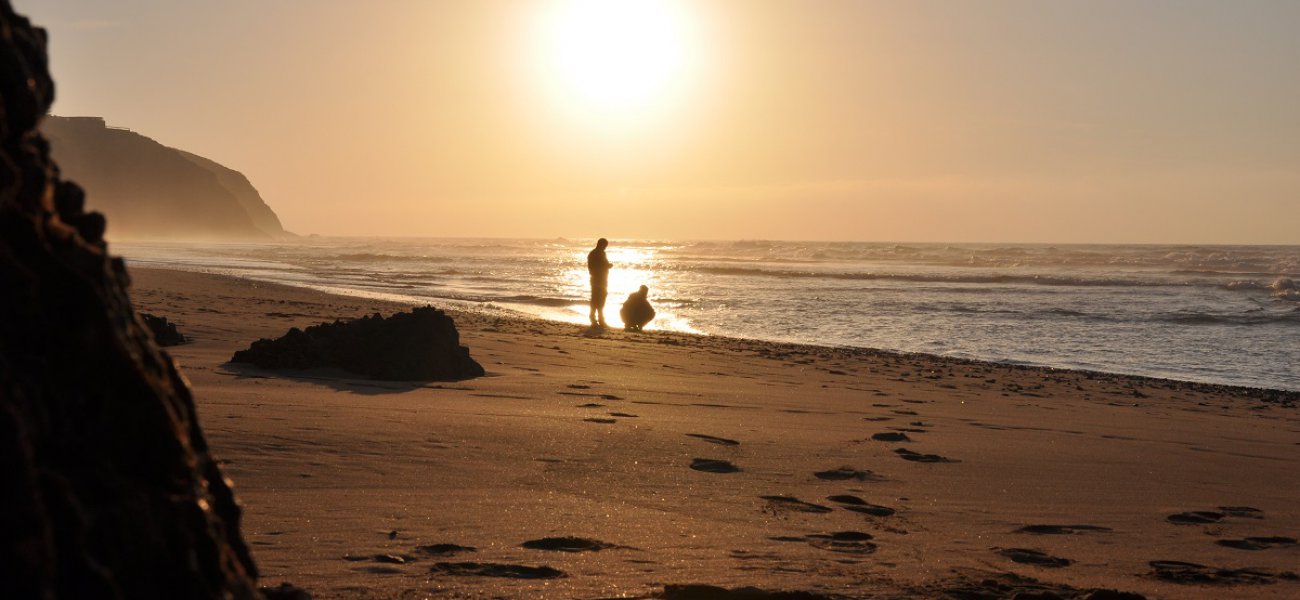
(957,278)
(1248,319)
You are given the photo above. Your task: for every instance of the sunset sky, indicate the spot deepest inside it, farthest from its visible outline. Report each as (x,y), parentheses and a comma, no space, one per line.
(999,121)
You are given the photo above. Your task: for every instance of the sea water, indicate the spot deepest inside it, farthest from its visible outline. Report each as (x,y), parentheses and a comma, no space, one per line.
(1218,314)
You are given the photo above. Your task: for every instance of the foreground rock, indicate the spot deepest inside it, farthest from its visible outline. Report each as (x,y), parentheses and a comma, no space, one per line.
(107,488)
(420,345)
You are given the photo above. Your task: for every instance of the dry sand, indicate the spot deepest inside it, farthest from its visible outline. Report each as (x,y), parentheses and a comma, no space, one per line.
(573,434)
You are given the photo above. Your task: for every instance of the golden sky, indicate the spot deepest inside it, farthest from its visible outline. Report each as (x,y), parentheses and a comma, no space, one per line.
(916,120)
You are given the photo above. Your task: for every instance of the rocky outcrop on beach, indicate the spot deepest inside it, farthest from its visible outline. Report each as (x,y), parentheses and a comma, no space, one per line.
(420,345)
(164,332)
(150,191)
(107,487)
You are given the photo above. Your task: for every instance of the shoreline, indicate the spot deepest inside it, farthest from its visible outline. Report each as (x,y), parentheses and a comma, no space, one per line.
(1146,313)
(688,459)
(1274,395)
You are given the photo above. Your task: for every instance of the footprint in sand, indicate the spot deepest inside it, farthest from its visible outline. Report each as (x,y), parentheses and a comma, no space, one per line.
(850,542)
(1258,543)
(1033,557)
(1245,512)
(696,591)
(592,394)
(1011,585)
(891,436)
(906,454)
(795,504)
(847,542)
(714,440)
(568,544)
(859,505)
(384,559)
(1177,571)
(1060,529)
(473,569)
(751,555)
(711,465)
(380,570)
(846,473)
(1195,517)
(444,549)
(391,559)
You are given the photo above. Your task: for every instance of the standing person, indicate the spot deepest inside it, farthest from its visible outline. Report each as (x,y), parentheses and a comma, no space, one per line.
(598,265)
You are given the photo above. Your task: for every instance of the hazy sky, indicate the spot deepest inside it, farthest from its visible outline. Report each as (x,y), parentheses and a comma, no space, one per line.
(1088,121)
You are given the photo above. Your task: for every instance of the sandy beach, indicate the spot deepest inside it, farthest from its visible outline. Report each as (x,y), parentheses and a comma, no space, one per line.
(680,459)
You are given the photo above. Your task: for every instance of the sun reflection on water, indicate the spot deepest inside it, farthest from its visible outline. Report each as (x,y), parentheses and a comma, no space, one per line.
(633,268)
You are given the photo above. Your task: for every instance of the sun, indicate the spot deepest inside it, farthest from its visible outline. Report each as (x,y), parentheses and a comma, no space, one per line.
(615,57)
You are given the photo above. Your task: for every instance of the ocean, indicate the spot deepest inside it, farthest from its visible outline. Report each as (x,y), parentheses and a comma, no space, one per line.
(1215,314)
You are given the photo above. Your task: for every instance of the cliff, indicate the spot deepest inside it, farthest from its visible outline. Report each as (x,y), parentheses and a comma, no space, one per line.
(150,191)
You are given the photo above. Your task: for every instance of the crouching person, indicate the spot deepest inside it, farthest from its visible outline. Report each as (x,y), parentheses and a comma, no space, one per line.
(636,310)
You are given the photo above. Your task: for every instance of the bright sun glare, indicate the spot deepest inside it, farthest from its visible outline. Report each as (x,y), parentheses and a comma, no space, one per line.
(615,57)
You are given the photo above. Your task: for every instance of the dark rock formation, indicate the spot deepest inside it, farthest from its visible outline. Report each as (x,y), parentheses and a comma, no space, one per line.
(107,487)
(420,345)
(149,190)
(164,332)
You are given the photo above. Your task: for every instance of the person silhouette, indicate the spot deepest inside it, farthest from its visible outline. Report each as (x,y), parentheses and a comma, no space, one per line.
(636,310)
(598,266)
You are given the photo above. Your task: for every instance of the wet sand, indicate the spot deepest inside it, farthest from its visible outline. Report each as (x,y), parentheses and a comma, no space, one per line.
(599,465)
